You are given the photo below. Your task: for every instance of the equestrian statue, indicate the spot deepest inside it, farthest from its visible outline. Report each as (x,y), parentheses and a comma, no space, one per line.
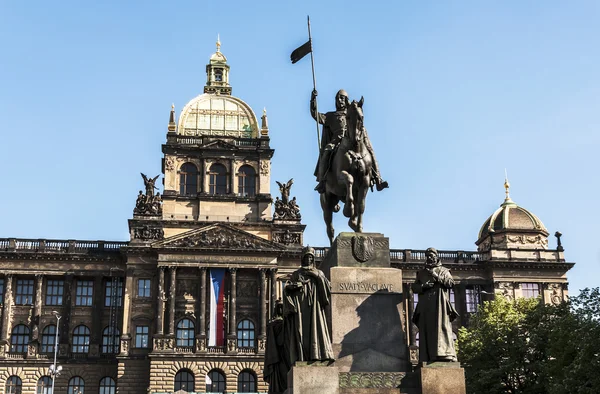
(346,167)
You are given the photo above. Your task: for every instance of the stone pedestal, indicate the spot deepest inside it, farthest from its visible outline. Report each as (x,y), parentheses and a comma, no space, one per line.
(366,305)
(307,378)
(442,378)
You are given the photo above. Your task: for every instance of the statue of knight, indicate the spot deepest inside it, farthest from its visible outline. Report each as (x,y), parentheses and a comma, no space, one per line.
(334,128)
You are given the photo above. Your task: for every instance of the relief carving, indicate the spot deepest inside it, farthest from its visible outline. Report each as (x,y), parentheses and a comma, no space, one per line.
(264,167)
(371,379)
(218,238)
(287,238)
(556,296)
(147,233)
(362,248)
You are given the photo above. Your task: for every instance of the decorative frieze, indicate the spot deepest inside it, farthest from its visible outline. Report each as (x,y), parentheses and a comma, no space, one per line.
(371,379)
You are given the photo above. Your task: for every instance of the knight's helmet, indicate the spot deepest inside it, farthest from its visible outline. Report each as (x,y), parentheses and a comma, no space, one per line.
(341,92)
(306,251)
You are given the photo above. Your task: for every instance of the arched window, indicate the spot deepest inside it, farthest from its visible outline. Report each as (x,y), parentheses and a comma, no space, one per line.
(14,385)
(48,338)
(188,179)
(107,385)
(247,181)
(44,385)
(217,183)
(19,339)
(215,382)
(185,333)
(246,382)
(245,333)
(110,341)
(81,339)
(76,385)
(184,381)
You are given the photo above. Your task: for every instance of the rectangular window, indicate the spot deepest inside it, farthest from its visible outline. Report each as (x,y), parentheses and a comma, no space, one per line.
(141,336)
(24,292)
(144,287)
(1,291)
(415,301)
(54,292)
(530,290)
(452,301)
(84,293)
(473,298)
(108,292)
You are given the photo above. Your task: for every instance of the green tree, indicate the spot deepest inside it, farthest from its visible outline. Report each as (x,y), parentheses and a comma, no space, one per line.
(524,346)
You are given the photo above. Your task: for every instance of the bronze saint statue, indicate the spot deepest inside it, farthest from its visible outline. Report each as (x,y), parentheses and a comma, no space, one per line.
(347,166)
(434,312)
(276,358)
(306,296)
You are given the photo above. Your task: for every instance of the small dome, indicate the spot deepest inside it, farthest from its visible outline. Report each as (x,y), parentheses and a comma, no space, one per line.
(510,216)
(218,57)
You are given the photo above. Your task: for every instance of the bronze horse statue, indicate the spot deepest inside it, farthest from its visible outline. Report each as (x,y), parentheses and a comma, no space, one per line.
(349,176)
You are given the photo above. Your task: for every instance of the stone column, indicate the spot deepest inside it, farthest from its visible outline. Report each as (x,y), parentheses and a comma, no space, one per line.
(129,289)
(6,309)
(201,338)
(97,310)
(162,299)
(232,332)
(231,175)
(172,293)
(37,309)
(263,304)
(273,272)
(65,321)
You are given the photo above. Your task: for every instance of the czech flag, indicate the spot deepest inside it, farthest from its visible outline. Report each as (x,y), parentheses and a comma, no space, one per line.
(216,332)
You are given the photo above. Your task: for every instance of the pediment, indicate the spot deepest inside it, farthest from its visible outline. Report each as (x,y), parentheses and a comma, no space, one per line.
(220,145)
(219,236)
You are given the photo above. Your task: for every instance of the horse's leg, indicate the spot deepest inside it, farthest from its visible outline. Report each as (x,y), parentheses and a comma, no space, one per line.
(361,201)
(347,180)
(326,205)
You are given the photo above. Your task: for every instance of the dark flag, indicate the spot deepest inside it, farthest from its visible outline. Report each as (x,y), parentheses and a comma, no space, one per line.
(301,51)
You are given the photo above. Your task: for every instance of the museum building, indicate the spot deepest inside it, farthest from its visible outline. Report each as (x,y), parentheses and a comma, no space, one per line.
(184,305)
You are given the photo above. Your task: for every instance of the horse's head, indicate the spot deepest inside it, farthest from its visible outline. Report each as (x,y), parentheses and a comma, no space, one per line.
(354,120)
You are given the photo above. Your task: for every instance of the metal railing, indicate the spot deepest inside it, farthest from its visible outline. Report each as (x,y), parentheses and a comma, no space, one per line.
(411,255)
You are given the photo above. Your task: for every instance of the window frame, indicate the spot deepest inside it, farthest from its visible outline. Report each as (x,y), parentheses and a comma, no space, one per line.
(222,380)
(13,388)
(48,339)
(76,382)
(249,342)
(187,188)
(84,292)
(534,292)
(472,298)
(46,385)
(146,290)
(178,381)
(252,382)
(216,178)
(108,347)
(103,388)
(246,178)
(81,341)
(108,292)
(141,335)
(19,341)
(180,329)
(55,290)
(21,297)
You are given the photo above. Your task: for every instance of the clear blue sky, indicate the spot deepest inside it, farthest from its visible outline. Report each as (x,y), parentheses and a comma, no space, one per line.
(455,92)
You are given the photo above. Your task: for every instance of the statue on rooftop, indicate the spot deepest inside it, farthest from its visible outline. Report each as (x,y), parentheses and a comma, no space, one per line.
(286,209)
(434,312)
(148,204)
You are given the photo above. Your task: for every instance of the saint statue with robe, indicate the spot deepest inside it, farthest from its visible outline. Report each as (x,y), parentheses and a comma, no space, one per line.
(434,312)
(305,298)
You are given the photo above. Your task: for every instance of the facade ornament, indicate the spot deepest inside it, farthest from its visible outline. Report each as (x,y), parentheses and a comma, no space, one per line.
(506,290)
(148,204)
(559,246)
(287,238)
(169,163)
(148,233)
(556,295)
(264,167)
(218,238)
(286,209)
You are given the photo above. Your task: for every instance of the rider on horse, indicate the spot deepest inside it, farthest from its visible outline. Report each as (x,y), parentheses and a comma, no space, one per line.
(334,129)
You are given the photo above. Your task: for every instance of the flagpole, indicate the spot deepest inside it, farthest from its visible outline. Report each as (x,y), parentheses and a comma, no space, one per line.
(312,62)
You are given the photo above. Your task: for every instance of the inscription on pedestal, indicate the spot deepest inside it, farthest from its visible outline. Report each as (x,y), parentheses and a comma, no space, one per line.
(364,287)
